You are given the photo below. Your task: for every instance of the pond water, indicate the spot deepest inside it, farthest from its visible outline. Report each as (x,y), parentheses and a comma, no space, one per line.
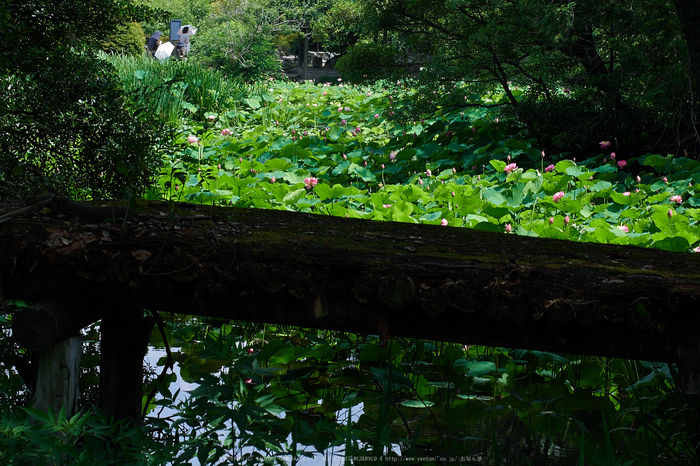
(155,355)
(284,390)
(242,393)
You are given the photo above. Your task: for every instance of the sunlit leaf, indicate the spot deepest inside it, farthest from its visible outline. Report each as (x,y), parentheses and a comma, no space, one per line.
(417,403)
(474,368)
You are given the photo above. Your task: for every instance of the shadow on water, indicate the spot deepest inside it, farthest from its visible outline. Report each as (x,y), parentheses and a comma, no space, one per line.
(284,391)
(244,393)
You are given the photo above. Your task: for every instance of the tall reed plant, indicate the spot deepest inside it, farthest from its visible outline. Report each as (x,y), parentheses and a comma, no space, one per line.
(177,91)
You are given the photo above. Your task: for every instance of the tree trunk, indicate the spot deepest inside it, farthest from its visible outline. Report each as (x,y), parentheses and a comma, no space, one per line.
(305,65)
(305,69)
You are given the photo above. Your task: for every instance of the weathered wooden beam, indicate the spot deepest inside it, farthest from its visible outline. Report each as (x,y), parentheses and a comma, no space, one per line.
(51,320)
(424,281)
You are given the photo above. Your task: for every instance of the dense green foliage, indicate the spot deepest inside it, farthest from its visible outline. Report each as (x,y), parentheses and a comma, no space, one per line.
(65,131)
(271,394)
(332,150)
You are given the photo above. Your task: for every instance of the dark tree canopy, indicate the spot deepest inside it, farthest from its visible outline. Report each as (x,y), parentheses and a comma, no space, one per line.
(590,70)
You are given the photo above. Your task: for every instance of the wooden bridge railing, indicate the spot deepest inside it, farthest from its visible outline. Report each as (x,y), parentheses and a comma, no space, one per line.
(423,281)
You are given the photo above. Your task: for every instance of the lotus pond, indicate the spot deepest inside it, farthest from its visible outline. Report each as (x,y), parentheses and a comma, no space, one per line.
(271,395)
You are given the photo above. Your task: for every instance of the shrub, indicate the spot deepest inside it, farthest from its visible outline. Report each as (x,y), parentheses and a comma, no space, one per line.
(129,42)
(237,49)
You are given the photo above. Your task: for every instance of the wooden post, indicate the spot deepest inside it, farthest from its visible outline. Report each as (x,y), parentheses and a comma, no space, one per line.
(58,376)
(125,335)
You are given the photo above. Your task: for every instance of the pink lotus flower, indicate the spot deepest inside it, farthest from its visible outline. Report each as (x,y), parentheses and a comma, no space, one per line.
(567,219)
(621,163)
(212,117)
(226,132)
(428,172)
(510,167)
(697,249)
(376,115)
(670,212)
(612,156)
(604,144)
(677,199)
(549,168)
(443,222)
(310,182)
(251,351)
(392,155)
(639,180)
(386,206)
(273,180)
(508,228)
(453,193)
(551,220)
(665,179)
(624,228)
(626,193)
(557,196)
(420,181)
(193,139)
